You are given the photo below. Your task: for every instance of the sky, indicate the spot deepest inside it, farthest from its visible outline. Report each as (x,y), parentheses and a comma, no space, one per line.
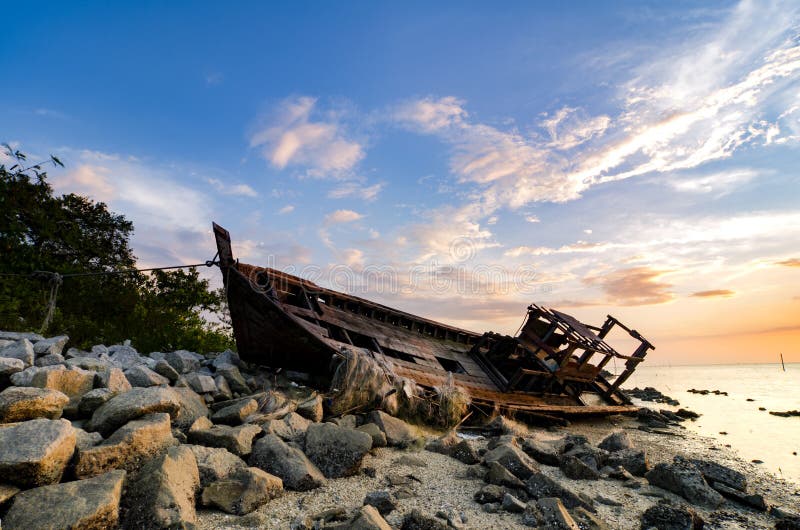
(458,160)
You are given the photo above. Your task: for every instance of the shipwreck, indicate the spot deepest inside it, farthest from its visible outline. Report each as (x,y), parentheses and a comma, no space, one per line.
(554,366)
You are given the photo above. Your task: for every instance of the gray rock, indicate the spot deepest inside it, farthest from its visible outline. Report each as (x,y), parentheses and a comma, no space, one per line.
(234,378)
(348,421)
(616,441)
(10,366)
(163,495)
(417,521)
(513,459)
(540,486)
(183,361)
(576,469)
(633,460)
(236,413)
(543,452)
(19,335)
(753,500)
(378,437)
(7,492)
(91,504)
(592,456)
(202,384)
(51,346)
(292,428)
(227,357)
(337,452)
(22,350)
(454,447)
(555,516)
(52,359)
(26,403)
(142,376)
(512,504)
(237,440)
(165,369)
(490,493)
(381,501)
(274,456)
(223,391)
(500,476)
(368,518)
(35,452)
(138,402)
(668,517)
(682,478)
(311,408)
(124,357)
(85,440)
(215,463)
(113,379)
(191,408)
(243,492)
(714,472)
(93,399)
(398,433)
(89,363)
(128,447)
(74,382)
(25,377)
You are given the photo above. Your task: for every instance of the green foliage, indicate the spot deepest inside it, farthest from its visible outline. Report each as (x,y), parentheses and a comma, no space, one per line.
(71,234)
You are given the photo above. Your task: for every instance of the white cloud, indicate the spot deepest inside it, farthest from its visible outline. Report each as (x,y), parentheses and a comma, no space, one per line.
(568,127)
(289,208)
(342,216)
(232,189)
(532,219)
(721,182)
(431,115)
(356,190)
(289,136)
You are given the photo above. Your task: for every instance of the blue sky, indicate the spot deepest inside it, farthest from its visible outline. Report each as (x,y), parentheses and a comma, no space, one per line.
(629,157)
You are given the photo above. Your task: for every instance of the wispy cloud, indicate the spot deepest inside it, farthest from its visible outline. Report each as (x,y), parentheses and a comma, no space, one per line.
(232,189)
(791,262)
(634,286)
(720,183)
(356,190)
(296,134)
(713,293)
(342,216)
(289,208)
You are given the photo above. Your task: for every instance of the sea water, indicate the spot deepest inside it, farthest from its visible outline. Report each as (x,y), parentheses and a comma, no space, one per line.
(755,434)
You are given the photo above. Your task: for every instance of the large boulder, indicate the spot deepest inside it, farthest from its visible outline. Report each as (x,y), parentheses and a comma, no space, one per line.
(91,504)
(543,452)
(234,378)
(183,361)
(201,383)
(114,379)
(336,451)
(27,403)
(8,367)
(124,356)
(237,440)
(668,517)
(512,458)
(163,494)
(227,357)
(22,350)
(74,382)
(35,452)
(714,472)
(51,346)
(165,369)
(52,359)
(215,463)
(311,408)
(93,399)
(577,469)
(13,336)
(540,486)
(682,478)
(398,433)
(235,413)
(275,456)
(244,491)
(191,407)
(616,441)
(634,460)
(368,518)
(128,447)
(143,376)
(136,403)
(292,428)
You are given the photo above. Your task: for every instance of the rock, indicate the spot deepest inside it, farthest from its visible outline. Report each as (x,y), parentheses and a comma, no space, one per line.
(513,459)
(25,377)
(163,494)
(292,428)
(7,492)
(489,493)
(35,452)
(555,516)
(124,357)
(311,408)
(378,437)
(576,469)
(236,413)
(49,360)
(234,378)
(416,521)
(26,403)
(753,500)
(512,504)
(237,440)
(586,520)
(543,452)
(128,447)
(668,517)
(244,491)
(191,408)
(593,457)
(223,392)
(381,501)
(8,367)
(337,452)
(51,346)
(682,478)
(74,382)
(633,460)
(200,424)
(227,357)
(183,361)
(22,350)
(86,440)
(163,368)
(138,402)
(616,441)
(91,504)
(718,473)
(113,379)
(540,486)
(348,421)
(93,399)
(688,414)
(410,460)
(14,336)
(88,363)
(500,476)
(142,376)
(274,456)
(368,518)
(215,463)
(202,384)
(398,433)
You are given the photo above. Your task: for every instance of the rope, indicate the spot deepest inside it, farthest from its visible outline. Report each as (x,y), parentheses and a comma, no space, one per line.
(55,283)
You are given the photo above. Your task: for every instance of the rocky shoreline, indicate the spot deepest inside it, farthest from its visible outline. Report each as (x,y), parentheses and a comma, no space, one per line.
(113,438)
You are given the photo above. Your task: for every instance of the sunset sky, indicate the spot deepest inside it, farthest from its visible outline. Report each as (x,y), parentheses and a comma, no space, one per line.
(456,160)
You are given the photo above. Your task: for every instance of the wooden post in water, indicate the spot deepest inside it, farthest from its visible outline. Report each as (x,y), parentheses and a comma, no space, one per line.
(783,365)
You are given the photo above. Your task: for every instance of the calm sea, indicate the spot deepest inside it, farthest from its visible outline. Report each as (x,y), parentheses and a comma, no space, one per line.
(753,433)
